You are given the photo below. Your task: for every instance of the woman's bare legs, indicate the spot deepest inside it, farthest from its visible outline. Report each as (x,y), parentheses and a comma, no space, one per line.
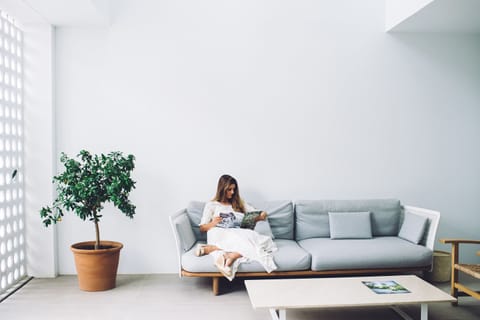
(229,257)
(225,260)
(203,249)
(209,248)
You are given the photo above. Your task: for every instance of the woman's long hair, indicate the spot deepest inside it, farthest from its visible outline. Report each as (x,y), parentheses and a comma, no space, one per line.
(224,183)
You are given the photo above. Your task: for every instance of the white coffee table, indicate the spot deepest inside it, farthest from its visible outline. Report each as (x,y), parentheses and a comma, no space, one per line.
(278,295)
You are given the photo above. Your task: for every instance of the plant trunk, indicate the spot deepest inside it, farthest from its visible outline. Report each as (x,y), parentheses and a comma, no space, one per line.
(97,232)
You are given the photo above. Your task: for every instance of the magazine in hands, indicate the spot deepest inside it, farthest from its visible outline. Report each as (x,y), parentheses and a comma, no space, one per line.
(249,219)
(228,220)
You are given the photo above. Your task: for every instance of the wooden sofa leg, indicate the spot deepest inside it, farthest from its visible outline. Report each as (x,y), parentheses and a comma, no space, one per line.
(215,285)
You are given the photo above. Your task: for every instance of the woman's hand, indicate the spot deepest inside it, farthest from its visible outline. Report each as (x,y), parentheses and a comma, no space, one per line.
(262,216)
(211,224)
(215,221)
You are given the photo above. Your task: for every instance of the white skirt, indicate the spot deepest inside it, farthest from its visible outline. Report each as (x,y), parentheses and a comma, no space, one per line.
(250,244)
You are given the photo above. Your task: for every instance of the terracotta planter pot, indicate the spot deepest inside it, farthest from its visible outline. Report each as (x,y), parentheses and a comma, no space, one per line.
(96,269)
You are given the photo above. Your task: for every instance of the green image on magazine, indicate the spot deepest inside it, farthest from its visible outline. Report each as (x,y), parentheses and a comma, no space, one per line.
(248,221)
(385,287)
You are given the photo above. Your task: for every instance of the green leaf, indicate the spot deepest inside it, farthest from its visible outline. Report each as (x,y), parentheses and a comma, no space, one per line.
(88,182)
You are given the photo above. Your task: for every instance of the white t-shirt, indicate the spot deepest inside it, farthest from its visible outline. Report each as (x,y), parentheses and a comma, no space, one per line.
(214,208)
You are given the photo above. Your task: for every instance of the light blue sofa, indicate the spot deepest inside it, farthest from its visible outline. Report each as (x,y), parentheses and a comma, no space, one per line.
(324,237)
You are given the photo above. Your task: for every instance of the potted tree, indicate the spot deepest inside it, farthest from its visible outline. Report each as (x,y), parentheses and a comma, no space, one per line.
(83,188)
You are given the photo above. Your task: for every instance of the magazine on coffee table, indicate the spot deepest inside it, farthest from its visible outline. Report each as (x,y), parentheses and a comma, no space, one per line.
(385,287)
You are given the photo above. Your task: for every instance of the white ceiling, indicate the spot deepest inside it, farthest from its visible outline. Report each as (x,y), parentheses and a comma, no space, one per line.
(438,16)
(60,12)
(452,16)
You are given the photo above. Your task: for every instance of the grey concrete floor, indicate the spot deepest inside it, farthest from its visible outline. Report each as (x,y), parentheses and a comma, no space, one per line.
(166,296)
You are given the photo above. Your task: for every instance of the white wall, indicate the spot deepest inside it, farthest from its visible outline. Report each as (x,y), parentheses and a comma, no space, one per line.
(297,99)
(39,141)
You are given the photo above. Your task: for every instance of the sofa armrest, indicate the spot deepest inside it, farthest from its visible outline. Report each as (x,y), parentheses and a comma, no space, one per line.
(178,240)
(433,221)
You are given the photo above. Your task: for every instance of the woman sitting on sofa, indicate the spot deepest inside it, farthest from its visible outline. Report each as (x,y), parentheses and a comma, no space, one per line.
(228,245)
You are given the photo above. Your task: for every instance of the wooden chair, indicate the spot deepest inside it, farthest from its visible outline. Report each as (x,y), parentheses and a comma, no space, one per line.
(456,288)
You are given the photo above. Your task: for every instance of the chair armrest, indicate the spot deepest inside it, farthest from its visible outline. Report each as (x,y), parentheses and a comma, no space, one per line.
(456,247)
(458,241)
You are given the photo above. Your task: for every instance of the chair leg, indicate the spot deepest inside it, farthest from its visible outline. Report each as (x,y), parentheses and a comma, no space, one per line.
(454,276)
(215,285)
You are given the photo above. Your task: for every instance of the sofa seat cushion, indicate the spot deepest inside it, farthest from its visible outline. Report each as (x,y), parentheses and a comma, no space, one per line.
(289,257)
(374,253)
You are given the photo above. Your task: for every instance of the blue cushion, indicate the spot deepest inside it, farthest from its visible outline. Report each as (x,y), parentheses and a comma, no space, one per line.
(413,227)
(185,232)
(350,225)
(263,227)
(289,257)
(195,212)
(280,217)
(374,253)
(312,219)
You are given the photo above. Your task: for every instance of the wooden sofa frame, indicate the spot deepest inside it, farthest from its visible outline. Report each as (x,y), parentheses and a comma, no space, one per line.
(216,276)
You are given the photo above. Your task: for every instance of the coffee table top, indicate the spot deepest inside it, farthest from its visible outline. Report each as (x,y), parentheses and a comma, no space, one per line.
(339,292)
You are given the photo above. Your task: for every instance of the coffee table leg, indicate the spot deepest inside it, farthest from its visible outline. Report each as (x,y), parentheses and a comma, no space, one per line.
(279,314)
(401,313)
(424,311)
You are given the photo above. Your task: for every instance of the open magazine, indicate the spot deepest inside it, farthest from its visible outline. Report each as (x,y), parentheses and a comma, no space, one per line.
(248,221)
(385,287)
(228,220)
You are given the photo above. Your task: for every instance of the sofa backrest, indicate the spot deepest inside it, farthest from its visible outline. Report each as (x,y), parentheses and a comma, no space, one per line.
(312,219)
(280,217)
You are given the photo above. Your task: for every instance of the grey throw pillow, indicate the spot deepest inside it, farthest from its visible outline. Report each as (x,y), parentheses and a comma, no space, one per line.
(263,227)
(413,227)
(280,217)
(195,212)
(350,225)
(185,232)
